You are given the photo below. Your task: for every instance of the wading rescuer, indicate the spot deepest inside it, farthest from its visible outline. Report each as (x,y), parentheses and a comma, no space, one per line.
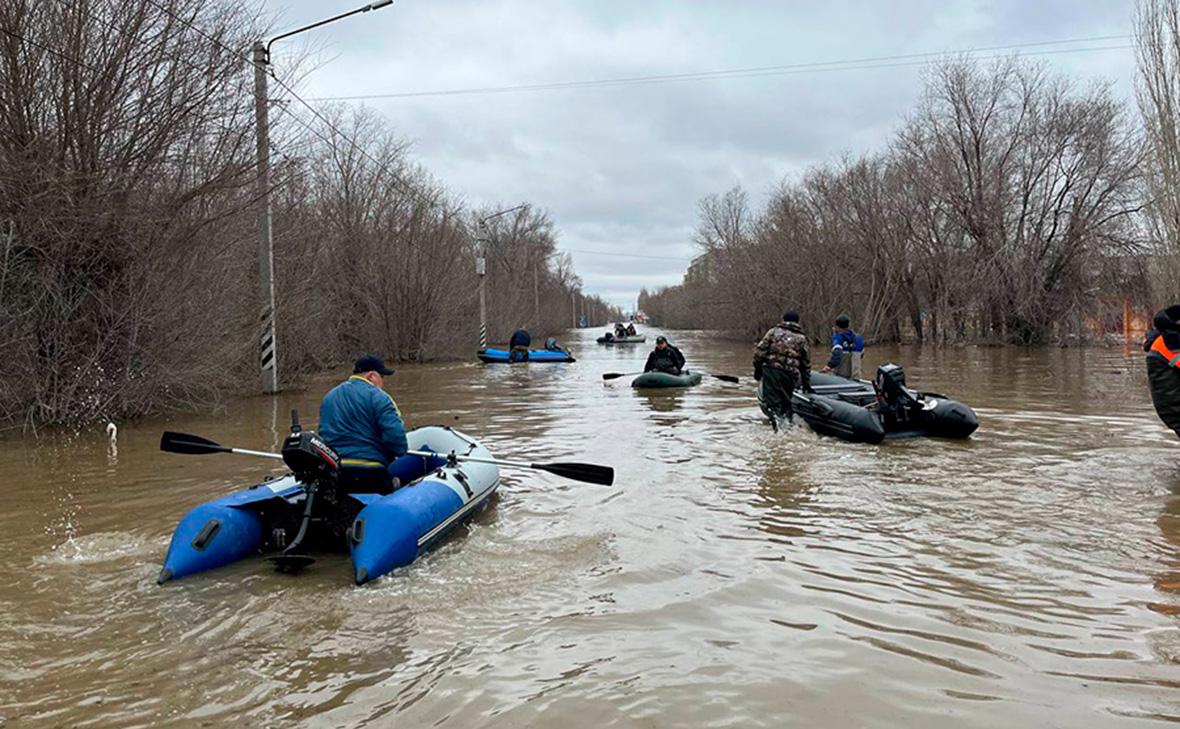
(782,362)
(362,422)
(847,347)
(1163,365)
(664,358)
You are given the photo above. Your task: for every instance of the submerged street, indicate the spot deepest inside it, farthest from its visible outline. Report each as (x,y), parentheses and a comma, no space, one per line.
(1029,576)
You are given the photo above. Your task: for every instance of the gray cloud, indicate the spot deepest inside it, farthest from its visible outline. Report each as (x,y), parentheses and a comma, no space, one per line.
(622,168)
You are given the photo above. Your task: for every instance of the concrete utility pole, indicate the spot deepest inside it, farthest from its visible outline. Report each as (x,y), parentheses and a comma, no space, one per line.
(269,354)
(481,266)
(574,307)
(536,296)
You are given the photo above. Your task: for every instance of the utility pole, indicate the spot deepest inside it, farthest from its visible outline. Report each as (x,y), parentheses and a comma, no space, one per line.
(574,308)
(536,296)
(481,268)
(481,246)
(268,354)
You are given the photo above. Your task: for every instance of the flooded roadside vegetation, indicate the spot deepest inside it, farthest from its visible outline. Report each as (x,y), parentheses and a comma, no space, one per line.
(499,364)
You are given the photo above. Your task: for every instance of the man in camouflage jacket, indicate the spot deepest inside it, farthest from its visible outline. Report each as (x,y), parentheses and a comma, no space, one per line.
(781,363)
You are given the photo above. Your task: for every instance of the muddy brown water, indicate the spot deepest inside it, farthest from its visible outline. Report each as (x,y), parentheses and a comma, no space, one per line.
(732,576)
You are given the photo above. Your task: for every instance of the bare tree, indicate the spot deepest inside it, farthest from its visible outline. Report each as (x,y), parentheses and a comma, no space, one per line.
(1157,26)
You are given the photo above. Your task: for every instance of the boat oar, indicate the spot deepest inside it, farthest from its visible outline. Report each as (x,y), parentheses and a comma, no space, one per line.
(617,375)
(588,472)
(195,445)
(189,444)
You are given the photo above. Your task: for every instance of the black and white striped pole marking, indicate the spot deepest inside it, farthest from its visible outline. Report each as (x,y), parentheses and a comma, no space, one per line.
(481,269)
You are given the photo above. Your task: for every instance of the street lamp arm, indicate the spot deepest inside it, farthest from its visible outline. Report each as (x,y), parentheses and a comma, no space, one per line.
(377,5)
(483,221)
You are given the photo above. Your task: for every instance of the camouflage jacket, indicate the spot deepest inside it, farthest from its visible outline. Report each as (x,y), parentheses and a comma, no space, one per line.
(784,347)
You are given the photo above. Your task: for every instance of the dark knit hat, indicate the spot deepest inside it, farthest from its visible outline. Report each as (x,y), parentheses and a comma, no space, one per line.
(843,321)
(790,315)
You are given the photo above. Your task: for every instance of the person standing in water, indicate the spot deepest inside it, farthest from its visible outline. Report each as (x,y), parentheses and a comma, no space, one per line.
(1162,346)
(847,347)
(782,362)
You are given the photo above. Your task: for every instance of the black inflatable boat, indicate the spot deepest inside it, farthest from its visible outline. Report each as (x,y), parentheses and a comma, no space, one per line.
(869,412)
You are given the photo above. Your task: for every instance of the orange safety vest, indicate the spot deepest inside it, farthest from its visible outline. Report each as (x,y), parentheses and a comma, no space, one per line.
(1172,357)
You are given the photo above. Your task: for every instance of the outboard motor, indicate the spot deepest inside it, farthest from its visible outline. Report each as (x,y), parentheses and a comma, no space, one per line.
(308,456)
(317,465)
(896,400)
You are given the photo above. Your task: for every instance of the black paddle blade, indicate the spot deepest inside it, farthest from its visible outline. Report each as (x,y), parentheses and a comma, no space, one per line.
(588,472)
(189,444)
(613,375)
(727,378)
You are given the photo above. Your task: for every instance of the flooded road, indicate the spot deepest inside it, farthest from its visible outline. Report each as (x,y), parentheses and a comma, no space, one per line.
(731,577)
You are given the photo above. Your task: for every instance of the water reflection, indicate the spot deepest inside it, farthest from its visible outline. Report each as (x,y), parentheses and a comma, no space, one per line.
(1167,581)
(661,401)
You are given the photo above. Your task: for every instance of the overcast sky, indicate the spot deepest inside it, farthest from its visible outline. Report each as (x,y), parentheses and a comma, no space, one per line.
(621,168)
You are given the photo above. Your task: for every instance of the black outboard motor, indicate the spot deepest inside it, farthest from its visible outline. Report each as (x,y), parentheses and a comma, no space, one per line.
(890,384)
(895,401)
(317,465)
(309,457)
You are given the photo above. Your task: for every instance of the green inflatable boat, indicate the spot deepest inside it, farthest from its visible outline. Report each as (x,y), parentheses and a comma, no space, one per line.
(663,379)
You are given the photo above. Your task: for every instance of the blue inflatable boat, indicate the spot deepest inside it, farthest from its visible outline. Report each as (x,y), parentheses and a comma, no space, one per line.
(503,356)
(381,532)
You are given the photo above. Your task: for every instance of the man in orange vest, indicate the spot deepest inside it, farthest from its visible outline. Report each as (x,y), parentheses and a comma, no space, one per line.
(1163,365)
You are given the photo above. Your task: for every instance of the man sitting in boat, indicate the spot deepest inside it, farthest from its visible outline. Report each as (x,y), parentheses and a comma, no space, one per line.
(620,330)
(664,358)
(518,346)
(631,329)
(847,348)
(782,362)
(551,345)
(362,422)
(1163,365)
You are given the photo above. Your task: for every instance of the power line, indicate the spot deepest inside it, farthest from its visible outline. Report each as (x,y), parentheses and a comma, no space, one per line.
(399,184)
(753,72)
(49,49)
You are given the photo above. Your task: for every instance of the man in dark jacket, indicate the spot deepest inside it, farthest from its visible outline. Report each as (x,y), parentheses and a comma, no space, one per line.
(847,347)
(518,346)
(1163,360)
(664,358)
(782,362)
(362,422)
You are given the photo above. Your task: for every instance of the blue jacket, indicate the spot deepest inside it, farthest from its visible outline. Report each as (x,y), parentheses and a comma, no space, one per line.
(520,338)
(845,341)
(362,422)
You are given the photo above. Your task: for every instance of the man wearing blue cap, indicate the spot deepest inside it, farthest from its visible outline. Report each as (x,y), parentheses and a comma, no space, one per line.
(362,422)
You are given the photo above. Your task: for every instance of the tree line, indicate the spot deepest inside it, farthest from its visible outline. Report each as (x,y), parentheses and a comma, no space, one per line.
(1013,205)
(128,223)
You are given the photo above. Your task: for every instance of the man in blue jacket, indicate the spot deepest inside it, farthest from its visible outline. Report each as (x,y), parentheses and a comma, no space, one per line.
(362,422)
(518,346)
(847,347)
